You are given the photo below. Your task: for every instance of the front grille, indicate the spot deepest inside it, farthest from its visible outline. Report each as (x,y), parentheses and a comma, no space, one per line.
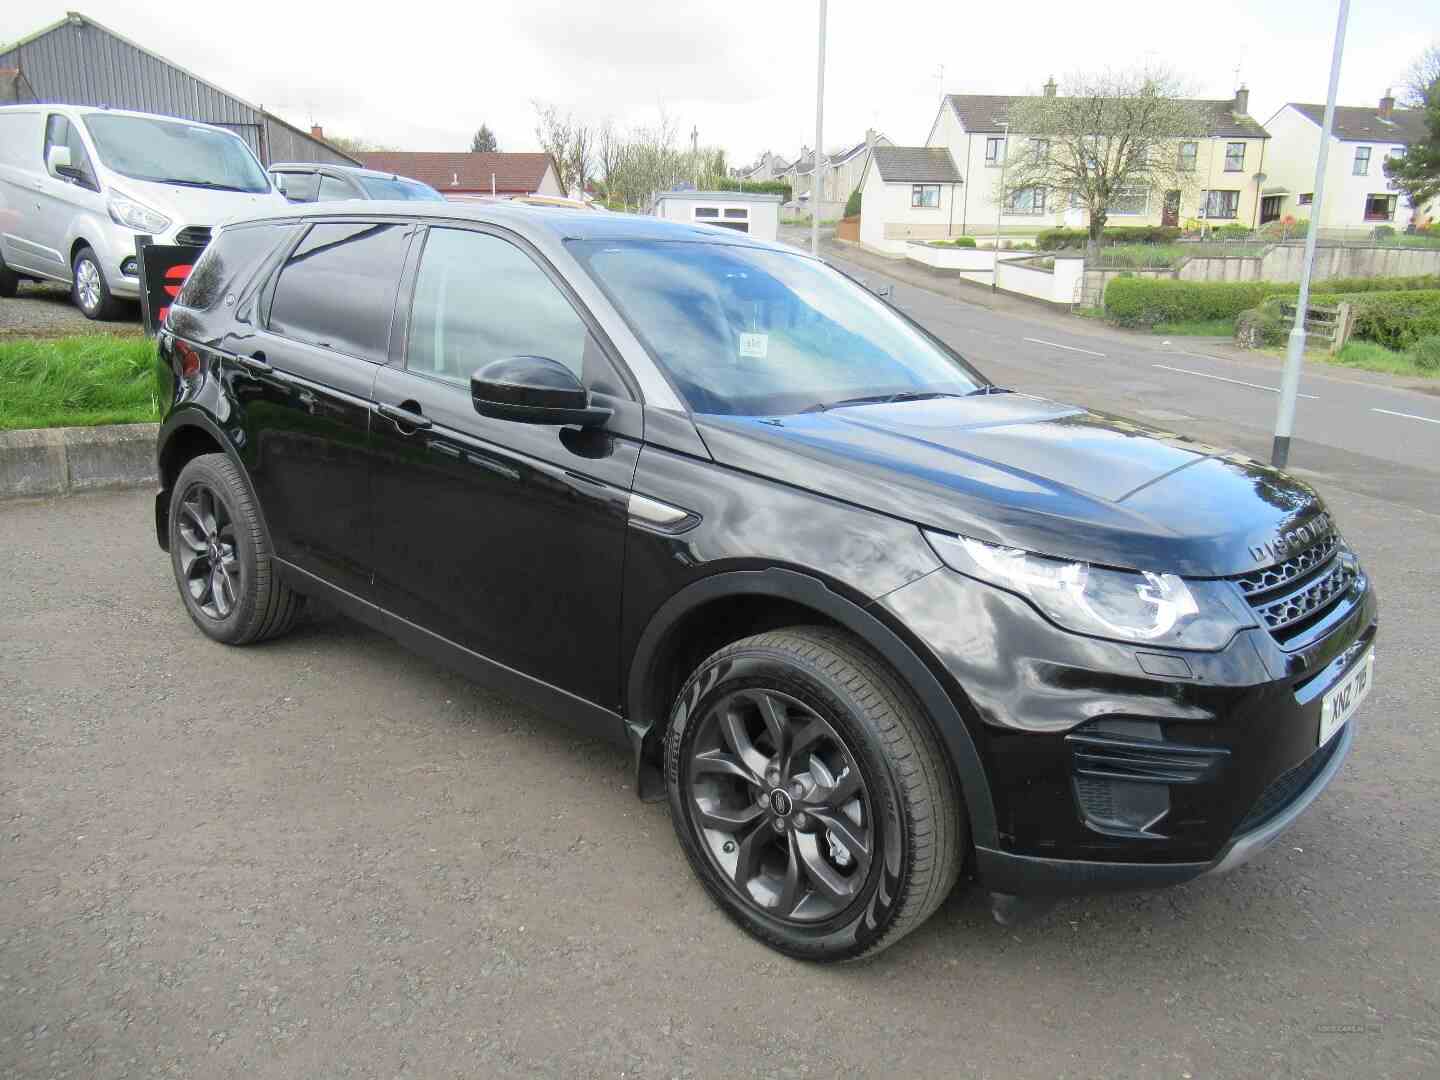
(1287,786)
(1294,595)
(193,236)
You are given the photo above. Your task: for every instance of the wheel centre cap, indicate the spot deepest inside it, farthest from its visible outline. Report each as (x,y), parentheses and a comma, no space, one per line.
(780,802)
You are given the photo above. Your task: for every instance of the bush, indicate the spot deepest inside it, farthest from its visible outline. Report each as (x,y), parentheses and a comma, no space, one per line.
(1426,353)
(852,204)
(1383,232)
(1397,320)
(959,241)
(1260,327)
(1233,229)
(760,187)
(1147,301)
(1060,239)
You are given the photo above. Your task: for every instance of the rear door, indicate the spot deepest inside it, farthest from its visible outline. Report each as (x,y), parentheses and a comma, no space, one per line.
(325,329)
(505,538)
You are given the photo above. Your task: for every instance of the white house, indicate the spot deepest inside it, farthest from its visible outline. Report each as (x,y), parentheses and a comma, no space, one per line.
(843,171)
(1227,161)
(1358,196)
(767,167)
(743,211)
(909,192)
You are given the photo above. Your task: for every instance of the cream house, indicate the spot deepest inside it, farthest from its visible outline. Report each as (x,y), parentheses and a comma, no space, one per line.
(1358,196)
(1225,164)
(909,193)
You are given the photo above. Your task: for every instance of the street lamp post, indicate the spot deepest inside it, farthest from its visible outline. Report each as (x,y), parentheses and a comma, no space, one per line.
(819,142)
(1000,206)
(1295,346)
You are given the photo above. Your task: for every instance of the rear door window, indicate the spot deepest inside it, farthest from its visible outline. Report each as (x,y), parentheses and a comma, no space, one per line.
(332,188)
(337,289)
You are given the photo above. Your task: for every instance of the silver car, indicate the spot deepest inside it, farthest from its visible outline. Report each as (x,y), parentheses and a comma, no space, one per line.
(78,184)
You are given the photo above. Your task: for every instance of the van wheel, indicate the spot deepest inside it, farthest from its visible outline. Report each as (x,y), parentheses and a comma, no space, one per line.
(9,280)
(220,553)
(811,796)
(88,288)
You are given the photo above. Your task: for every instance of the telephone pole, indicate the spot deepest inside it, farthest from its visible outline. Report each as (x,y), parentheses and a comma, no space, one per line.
(819,142)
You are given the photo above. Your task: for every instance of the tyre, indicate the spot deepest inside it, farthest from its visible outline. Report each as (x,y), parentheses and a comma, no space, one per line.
(88,287)
(9,280)
(221,556)
(811,796)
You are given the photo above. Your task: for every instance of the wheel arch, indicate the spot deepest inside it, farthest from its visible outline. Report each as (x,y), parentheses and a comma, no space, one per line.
(186,435)
(775,597)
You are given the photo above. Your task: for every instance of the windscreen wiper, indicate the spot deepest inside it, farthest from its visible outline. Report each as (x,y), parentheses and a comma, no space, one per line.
(209,184)
(881,399)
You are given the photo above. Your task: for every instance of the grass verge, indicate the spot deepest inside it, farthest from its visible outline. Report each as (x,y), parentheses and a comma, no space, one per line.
(77,381)
(1369,356)
(1197,328)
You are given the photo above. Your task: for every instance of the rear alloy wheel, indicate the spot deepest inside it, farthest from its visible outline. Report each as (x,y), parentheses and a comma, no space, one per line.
(89,289)
(220,553)
(810,794)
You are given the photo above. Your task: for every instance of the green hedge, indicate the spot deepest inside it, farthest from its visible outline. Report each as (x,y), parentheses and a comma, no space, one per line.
(760,187)
(1397,320)
(1060,239)
(852,204)
(1145,301)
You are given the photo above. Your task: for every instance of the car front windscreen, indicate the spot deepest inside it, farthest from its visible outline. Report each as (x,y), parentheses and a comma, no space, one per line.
(378,187)
(174,152)
(756,332)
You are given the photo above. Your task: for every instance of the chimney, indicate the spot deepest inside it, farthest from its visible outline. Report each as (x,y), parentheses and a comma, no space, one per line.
(1242,101)
(317,132)
(1387,105)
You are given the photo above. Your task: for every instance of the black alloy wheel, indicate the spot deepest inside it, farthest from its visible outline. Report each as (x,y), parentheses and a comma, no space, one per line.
(208,559)
(780,804)
(811,795)
(221,555)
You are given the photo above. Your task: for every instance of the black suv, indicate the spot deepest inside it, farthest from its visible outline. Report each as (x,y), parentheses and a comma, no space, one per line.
(866,619)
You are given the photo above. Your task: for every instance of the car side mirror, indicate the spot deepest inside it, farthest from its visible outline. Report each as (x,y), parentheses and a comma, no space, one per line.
(57,160)
(534,390)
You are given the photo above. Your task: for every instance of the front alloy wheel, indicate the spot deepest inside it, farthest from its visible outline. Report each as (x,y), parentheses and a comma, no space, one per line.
(780,805)
(208,559)
(811,795)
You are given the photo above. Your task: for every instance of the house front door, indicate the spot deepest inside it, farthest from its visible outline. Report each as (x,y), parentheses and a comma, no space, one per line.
(1170,215)
(1270,208)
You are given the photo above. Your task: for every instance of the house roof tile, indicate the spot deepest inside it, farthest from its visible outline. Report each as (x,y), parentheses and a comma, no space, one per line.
(989,112)
(514,173)
(1364,124)
(916,165)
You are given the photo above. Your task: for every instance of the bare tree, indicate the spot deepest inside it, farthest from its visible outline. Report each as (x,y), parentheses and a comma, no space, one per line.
(609,148)
(1422,75)
(1109,137)
(556,130)
(354,144)
(581,152)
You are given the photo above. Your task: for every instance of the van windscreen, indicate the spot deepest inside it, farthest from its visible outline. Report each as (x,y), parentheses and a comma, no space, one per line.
(174,152)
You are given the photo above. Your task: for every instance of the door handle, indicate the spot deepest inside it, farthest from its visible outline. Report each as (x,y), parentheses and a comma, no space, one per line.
(403,418)
(255,364)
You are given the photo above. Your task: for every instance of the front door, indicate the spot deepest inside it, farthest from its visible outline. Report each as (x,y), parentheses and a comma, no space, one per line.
(1270,208)
(310,374)
(504,538)
(1170,215)
(59,200)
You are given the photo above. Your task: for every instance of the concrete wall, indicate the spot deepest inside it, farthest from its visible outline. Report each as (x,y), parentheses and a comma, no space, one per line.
(59,461)
(1061,285)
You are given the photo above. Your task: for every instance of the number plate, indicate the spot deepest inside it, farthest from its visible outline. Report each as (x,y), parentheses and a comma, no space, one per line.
(1345,697)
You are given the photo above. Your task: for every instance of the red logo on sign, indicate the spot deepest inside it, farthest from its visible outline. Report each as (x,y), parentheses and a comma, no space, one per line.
(177,275)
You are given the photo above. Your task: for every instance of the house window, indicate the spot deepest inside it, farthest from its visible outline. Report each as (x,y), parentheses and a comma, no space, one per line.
(1187,156)
(1219,204)
(1306,199)
(1379,207)
(1029,200)
(1396,152)
(1362,161)
(707,211)
(1127,202)
(994,151)
(1235,157)
(1039,149)
(925,195)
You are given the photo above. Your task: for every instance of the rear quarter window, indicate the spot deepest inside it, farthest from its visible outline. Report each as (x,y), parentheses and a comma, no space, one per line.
(228,262)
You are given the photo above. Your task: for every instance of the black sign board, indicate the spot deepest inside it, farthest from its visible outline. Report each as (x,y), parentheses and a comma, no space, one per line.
(163,269)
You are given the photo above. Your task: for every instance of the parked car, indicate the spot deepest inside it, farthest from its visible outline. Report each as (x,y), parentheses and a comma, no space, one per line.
(866,619)
(308,182)
(77,185)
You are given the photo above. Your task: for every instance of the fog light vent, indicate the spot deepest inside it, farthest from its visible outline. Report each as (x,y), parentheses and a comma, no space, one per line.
(129,267)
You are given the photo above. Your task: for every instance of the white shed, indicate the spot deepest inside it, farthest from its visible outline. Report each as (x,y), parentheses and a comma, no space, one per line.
(747,212)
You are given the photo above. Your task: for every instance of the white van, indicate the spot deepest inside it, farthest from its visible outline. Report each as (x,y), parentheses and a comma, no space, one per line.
(77,185)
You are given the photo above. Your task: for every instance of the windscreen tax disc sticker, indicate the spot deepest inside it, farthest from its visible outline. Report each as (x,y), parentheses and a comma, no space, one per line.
(754,346)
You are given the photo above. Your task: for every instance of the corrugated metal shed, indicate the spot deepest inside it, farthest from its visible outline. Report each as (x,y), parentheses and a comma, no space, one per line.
(79,62)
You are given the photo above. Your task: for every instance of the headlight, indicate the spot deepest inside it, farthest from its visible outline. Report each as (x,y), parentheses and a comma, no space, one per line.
(133,215)
(1159,609)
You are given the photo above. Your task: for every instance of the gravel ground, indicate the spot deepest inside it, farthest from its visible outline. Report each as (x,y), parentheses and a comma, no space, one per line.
(43,309)
(326,857)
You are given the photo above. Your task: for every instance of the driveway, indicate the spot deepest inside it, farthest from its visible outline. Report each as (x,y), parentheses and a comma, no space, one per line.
(43,309)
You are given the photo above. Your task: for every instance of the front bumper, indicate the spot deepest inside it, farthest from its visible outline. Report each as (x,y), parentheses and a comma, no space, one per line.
(1204,758)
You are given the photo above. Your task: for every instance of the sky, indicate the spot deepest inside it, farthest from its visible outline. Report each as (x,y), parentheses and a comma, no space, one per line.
(423,75)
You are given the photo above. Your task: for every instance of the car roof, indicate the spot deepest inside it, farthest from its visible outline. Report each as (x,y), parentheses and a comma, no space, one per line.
(557,222)
(99,110)
(348,170)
